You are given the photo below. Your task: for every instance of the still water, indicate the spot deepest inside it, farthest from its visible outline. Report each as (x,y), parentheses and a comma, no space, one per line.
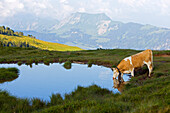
(41,80)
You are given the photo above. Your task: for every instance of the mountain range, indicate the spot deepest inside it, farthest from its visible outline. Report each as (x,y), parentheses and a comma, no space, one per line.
(29,22)
(91,31)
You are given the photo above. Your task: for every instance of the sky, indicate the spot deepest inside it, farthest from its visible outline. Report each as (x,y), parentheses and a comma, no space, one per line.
(154,12)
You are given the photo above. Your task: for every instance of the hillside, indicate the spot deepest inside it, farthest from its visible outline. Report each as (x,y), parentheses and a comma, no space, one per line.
(25,41)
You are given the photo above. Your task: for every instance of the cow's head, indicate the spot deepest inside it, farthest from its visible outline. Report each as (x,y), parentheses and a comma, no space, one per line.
(116,83)
(116,73)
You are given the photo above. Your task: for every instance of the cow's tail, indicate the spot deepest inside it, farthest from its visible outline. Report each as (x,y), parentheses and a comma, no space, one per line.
(151,58)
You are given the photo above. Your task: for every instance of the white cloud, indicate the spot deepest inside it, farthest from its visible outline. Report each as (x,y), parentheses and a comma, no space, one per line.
(10,7)
(64,1)
(41,5)
(133,3)
(144,11)
(165,7)
(81,10)
(147,6)
(105,75)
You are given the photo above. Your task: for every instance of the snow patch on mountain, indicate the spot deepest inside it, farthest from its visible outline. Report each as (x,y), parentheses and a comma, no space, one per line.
(103,26)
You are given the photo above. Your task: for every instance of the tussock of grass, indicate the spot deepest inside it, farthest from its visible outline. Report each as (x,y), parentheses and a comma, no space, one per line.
(67,65)
(19,63)
(46,62)
(55,99)
(90,63)
(8,74)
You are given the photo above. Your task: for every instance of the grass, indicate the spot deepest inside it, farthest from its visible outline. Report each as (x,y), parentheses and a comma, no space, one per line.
(8,74)
(67,65)
(110,57)
(37,43)
(141,94)
(89,63)
(151,95)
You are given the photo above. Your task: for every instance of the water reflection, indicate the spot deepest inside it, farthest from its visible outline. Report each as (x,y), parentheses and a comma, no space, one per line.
(67,65)
(90,65)
(119,85)
(46,63)
(42,81)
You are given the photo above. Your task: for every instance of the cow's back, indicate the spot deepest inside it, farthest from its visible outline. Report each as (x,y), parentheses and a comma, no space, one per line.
(139,59)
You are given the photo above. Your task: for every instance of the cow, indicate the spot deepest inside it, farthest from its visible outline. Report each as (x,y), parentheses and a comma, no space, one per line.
(128,64)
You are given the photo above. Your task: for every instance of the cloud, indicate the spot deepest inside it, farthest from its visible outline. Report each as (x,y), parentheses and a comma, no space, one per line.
(164,6)
(105,75)
(147,6)
(81,10)
(64,1)
(111,7)
(10,7)
(133,3)
(143,11)
(41,5)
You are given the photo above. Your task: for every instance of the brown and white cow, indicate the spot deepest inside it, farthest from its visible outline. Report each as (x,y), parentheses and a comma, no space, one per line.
(127,65)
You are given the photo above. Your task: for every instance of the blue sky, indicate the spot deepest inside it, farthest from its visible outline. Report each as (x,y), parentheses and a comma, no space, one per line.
(154,12)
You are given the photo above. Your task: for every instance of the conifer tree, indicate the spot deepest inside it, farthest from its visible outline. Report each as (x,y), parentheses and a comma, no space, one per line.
(21,33)
(16,33)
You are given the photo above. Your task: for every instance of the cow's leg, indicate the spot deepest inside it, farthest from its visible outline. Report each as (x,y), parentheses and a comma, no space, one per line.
(149,65)
(150,70)
(122,80)
(132,72)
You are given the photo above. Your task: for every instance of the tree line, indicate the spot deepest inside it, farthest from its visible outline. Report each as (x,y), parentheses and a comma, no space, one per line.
(7,31)
(4,43)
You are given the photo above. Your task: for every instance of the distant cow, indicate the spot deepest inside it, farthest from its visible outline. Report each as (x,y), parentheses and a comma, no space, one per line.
(127,65)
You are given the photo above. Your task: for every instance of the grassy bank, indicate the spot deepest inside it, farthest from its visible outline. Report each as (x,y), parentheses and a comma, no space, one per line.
(141,94)
(8,74)
(104,57)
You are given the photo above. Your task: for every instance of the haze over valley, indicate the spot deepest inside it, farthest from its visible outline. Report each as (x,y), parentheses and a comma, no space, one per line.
(97,26)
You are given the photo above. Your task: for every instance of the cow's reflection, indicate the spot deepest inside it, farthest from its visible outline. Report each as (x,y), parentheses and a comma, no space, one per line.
(119,84)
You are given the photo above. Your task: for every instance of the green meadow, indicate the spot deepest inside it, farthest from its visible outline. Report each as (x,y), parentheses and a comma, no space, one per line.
(140,95)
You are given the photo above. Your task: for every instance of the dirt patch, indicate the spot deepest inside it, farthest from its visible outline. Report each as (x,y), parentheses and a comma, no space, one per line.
(165,55)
